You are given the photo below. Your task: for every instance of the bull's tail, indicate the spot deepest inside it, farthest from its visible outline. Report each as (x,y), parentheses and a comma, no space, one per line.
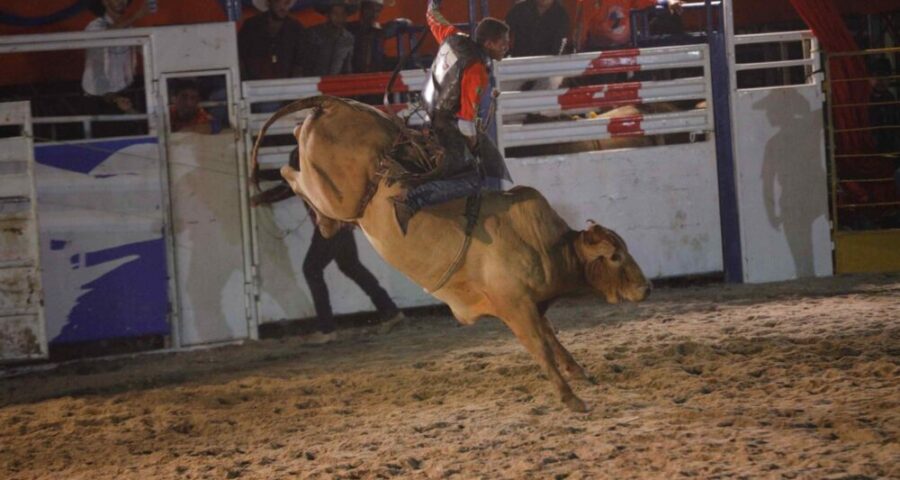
(316,102)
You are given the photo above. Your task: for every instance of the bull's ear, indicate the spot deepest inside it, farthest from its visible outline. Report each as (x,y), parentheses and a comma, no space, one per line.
(593,243)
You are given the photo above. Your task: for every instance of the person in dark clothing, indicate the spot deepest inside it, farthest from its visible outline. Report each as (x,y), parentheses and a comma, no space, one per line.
(369,36)
(537,27)
(272,44)
(341,248)
(330,43)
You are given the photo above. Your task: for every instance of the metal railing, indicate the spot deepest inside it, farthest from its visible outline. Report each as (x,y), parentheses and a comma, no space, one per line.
(580,99)
(864,159)
(272,93)
(809,59)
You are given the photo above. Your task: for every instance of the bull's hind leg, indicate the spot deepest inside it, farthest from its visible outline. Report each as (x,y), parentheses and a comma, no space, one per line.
(525,322)
(563,357)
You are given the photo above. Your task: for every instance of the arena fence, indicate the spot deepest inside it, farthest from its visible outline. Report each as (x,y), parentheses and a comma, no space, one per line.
(864,159)
(22,323)
(608,80)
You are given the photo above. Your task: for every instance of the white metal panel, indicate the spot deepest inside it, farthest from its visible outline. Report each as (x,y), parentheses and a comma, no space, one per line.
(22,325)
(649,92)
(207,192)
(782,183)
(599,128)
(659,58)
(208,248)
(662,200)
(196,47)
(773,37)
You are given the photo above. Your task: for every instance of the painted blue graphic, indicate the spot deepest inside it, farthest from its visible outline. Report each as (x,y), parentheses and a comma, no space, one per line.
(83,157)
(105,270)
(128,301)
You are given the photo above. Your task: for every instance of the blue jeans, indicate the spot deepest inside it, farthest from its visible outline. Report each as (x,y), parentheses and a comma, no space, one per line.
(441,191)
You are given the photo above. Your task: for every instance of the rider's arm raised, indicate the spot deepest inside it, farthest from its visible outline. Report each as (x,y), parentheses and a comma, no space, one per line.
(441,28)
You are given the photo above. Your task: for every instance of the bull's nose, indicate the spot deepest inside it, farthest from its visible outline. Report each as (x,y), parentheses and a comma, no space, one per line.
(648,287)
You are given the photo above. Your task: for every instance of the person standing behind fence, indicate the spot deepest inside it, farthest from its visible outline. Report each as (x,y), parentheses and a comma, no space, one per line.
(108,71)
(369,36)
(331,44)
(340,248)
(185,112)
(272,44)
(609,27)
(537,27)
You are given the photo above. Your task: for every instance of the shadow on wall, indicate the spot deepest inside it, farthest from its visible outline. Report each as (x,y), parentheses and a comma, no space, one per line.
(796,168)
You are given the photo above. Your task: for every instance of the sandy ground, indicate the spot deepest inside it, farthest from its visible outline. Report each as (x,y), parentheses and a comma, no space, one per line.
(792,380)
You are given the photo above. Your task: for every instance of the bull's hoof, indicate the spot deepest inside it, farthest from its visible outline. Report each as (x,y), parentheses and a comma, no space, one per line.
(575,404)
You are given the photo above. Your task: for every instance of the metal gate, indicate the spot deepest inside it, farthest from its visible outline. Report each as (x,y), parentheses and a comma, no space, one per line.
(864,157)
(22,323)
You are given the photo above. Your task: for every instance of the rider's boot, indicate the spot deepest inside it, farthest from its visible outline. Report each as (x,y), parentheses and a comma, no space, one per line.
(403,212)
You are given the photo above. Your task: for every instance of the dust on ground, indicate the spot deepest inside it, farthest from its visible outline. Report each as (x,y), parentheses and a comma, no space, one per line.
(787,380)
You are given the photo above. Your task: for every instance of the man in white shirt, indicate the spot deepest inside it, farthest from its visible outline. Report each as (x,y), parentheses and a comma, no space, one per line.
(110,70)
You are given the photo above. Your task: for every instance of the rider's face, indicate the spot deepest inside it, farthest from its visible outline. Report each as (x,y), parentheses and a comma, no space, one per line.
(498,48)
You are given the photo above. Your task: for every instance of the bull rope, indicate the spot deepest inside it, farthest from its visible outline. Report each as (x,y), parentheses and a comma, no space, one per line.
(464,248)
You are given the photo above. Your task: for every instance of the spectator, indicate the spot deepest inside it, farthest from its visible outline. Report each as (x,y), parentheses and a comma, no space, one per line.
(369,36)
(272,44)
(537,27)
(341,248)
(185,112)
(330,42)
(610,26)
(109,71)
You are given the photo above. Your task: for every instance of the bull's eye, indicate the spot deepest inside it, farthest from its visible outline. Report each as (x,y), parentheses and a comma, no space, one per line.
(616,257)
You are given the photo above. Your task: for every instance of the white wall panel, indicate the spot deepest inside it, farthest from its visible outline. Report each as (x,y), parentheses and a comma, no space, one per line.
(207,222)
(782,183)
(662,200)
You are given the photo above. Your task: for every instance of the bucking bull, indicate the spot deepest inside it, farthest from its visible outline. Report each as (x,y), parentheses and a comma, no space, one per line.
(522,255)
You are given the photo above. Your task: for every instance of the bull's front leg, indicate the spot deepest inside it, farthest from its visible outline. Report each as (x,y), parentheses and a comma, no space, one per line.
(564,358)
(525,322)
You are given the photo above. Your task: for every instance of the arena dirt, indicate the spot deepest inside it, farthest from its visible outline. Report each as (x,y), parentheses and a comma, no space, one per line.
(789,380)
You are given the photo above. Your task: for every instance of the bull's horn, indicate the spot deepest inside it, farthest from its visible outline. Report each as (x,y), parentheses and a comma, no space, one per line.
(299,105)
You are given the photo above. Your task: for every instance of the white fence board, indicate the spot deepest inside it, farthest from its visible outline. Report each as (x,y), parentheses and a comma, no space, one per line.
(662,200)
(782,184)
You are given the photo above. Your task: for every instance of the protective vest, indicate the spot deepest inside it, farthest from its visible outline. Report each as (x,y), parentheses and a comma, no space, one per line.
(442,90)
